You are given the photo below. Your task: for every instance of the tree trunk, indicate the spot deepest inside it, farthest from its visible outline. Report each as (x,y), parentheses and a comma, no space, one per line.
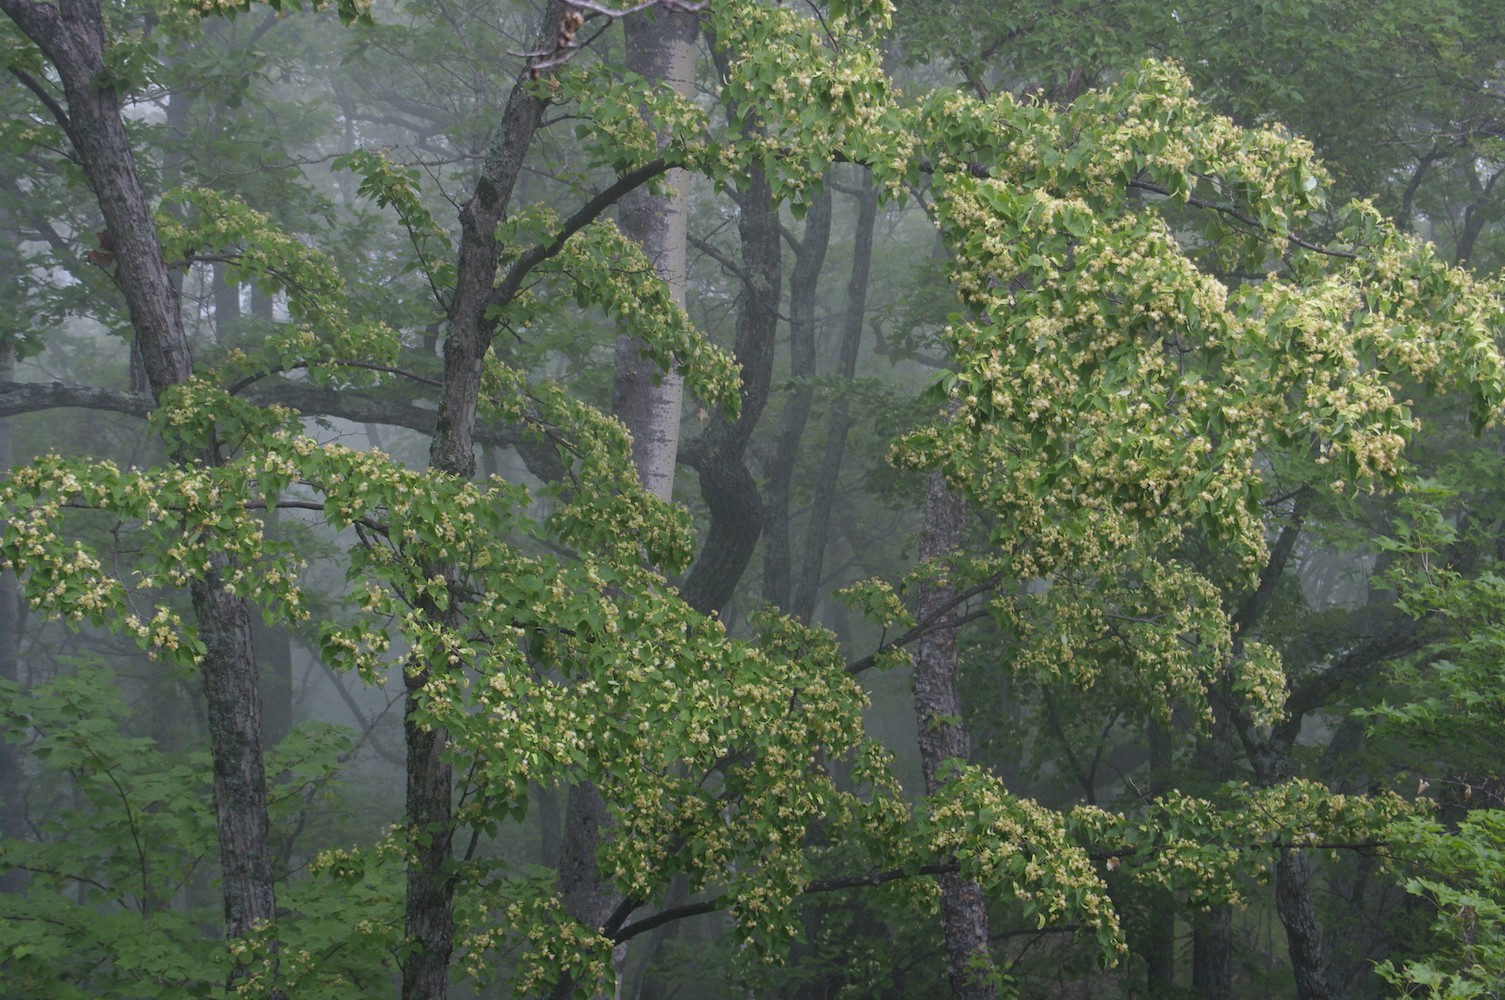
(943,738)
(273,647)
(1212,954)
(1270,755)
(274,659)
(71,33)
(12,803)
(807,584)
(261,305)
(1212,932)
(660,48)
(729,490)
(809,258)
(429,918)
(1293,901)
(227,314)
(234,706)
(1273,764)
(1159,944)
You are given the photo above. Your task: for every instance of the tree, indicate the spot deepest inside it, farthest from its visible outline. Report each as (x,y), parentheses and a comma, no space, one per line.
(1106,412)
(73,39)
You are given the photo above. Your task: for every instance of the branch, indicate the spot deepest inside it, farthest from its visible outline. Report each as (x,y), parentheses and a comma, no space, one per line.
(1403,638)
(872,878)
(249,380)
(30,397)
(565,46)
(983,170)
(62,247)
(53,107)
(676,5)
(348,404)
(1258,602)
(941,619)
(670,915)
(1246,219)
(949,866)
(592,210)
(727,264)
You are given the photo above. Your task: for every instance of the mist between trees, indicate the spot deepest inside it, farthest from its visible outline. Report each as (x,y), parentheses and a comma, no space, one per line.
(737,499)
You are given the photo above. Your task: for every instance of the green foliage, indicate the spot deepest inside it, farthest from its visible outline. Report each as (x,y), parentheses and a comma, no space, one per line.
(349,11)
(599,268)
(1112,401)
(1114,409)
(328,336)
(556,671)
(1459,875)
(394,186)
(118,900)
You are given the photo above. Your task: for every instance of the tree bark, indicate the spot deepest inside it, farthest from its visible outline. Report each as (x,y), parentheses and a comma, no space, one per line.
(1270,755)
(429,918)
(274,659)
(807,584)
(1159,945)
(1212,954)
(71,34)
(809,258)
(227,312)
(661,49)
(943,738)
(720,455)
(1212,931)
(1293,901)
(12,801)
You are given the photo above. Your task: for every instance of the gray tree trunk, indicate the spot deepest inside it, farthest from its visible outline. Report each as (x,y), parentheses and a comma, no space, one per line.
(1212,954)
(809,258)
(661,49)
(12,802)
(1159,944)
(854,310)
(1293,901)
(227,312)
(720,454)
(271,644)
(943,738)
(1212,932)
(71,34)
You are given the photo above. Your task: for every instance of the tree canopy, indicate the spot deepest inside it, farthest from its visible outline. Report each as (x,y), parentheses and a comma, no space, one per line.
(390,304)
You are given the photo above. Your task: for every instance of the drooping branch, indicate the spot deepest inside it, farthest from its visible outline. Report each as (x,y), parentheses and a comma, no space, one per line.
(405,373)
(941,617)
(349,404)
(512,281)
(31,397)
(1114,855)
(1244,218)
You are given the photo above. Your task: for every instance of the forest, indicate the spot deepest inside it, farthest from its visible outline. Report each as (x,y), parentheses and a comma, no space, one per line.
(752,498)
